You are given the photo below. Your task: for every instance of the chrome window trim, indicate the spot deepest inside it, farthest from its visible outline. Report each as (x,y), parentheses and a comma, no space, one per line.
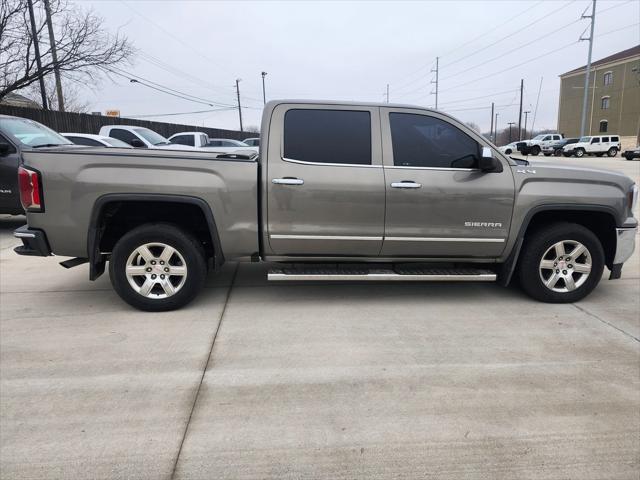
(324,237)
(303,162)
(444,169)
(444,239)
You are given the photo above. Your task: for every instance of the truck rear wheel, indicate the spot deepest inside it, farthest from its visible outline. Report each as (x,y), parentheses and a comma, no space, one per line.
(612,152)
(157,267)
(561,263)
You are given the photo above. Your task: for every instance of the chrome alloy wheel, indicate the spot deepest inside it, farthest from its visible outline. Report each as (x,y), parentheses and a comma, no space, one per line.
(156,270)
(565,266)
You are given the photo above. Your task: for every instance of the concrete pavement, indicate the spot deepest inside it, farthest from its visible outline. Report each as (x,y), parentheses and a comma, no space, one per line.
(316,381)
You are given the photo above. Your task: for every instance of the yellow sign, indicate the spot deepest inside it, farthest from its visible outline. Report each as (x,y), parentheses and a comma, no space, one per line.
(113,113)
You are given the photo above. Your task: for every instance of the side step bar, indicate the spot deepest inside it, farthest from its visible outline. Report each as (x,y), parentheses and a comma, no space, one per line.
(366,274)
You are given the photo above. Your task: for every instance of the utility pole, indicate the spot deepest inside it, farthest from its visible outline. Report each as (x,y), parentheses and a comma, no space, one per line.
(239,106)
(510,125)
(387,93)
(436,71)
(496,126)
(520,116)
(36,47)
(54,56)
(491,130)
(526,114)
(264,95)
(585,96)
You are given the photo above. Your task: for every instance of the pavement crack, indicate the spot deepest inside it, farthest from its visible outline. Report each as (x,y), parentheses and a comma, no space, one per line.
(605,322)
(204,371)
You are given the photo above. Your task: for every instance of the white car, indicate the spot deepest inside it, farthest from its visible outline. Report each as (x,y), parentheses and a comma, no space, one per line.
(510,148)
(91,140)
(140,137)
(597,145)
(201,140)
(252,142)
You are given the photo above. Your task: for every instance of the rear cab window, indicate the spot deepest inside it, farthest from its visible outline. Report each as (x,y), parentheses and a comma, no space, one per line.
(327,136)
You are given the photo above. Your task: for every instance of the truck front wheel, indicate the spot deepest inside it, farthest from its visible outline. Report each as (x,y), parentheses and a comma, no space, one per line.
(580,152)
(561,263)
(157,267)
(535,150)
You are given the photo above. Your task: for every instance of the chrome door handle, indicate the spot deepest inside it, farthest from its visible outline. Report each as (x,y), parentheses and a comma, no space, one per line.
(288,181)
(406,184)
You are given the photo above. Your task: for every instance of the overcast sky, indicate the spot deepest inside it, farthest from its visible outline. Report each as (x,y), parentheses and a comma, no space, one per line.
(351,50)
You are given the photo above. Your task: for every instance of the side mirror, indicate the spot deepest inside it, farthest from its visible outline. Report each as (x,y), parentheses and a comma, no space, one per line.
(488,163)
(5,148)
(137,143)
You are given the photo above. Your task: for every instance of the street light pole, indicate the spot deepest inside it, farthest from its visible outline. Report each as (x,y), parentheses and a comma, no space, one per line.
(264,95)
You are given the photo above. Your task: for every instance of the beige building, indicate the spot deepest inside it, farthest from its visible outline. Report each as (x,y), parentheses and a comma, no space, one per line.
(614,97)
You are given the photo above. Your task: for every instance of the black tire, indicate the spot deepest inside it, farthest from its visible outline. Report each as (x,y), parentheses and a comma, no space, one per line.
(629,157)
(541,241)
(612,152)
(535,150)
(508,151)
(188,249)
(579,152)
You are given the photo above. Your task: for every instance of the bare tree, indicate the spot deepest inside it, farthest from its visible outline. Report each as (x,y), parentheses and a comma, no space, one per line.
(252,129)
(73,101)
(473,126)
(84,48)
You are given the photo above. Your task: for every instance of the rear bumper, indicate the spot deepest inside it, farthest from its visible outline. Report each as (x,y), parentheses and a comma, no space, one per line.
(34,242)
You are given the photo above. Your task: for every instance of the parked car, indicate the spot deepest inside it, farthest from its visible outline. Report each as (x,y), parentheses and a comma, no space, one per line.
(202,140)
(537,143)
(555,149)
(515,147)
(139,137)
(594,145)
(252,142)
(345,191)
(18,134)
(631,154)
(91,140)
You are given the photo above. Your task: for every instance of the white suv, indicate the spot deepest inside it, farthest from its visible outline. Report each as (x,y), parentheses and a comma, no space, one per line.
(597,145)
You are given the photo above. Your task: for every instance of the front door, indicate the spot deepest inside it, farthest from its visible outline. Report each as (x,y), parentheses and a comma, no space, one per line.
(9,192)
(439,204)
(324,181)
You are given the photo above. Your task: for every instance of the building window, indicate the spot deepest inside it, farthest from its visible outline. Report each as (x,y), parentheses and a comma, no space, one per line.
(604,104)
(607,79)
(604,125)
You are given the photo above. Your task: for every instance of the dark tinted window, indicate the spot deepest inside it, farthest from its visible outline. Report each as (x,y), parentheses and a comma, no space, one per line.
(90,142)
(595,140)
(605,139)
(423,141)
(328,136)
(604,126)
(183,140)
(124,135)
(615,139)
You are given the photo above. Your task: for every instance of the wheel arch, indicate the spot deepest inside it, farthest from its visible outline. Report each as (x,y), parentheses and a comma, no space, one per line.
(108,204)
(600,219)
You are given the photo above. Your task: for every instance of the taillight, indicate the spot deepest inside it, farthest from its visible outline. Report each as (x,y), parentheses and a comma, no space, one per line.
(30,195)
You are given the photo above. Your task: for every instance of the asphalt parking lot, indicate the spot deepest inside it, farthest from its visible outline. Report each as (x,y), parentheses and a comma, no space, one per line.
(258,380)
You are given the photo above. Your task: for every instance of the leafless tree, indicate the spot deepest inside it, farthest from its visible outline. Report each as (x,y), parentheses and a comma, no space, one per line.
(85,49)
(73,101)
(473,126)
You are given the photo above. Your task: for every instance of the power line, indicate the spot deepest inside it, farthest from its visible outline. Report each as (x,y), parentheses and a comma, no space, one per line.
(509,35)
(180,113)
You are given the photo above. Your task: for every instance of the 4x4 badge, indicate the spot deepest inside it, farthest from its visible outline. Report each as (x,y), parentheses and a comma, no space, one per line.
(527,170)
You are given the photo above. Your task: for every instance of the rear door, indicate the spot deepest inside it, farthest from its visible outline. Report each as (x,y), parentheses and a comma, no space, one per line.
(325,182)
(9,192)
(439,204)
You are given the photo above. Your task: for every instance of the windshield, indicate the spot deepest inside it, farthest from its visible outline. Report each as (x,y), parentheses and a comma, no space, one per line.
(540,137)
(33,134)
(585,139)
(152,137)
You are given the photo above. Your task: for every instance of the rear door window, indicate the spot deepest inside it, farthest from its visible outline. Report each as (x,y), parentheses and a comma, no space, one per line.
(328,136)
